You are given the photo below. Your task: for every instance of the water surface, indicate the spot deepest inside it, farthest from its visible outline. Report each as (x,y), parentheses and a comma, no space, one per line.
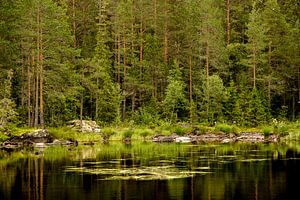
(152,171)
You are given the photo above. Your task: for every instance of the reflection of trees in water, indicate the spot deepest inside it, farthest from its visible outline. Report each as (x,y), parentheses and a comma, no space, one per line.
(257,171)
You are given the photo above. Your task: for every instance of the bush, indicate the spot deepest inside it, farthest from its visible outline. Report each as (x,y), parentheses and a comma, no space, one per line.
(281,130)
(179,130)
(235,130)
(225,128)
(145,133)
(106,133)
(201,129)
(127,134)
(267,131)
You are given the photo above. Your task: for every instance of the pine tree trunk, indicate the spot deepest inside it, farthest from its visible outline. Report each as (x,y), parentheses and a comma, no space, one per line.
(97,96)
(41,72)
(74,22)
(190,78)
(36,110)
(36,114)
(124,78)
(254,68)
(28,90)
(165,43)
(81,108)
(228,21)
(33,88)
(155,15)
(207,75)
(119,57)
(270,74)
(299,85)
(141,58)
(41,82)
(22,78)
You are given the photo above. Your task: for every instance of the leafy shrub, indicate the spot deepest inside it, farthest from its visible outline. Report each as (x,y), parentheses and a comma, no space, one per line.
(281,130)
(225,128)
(266,130)
(127,134)
(106,133)
(201,129)
(179,130)
(145,133)
(235,130)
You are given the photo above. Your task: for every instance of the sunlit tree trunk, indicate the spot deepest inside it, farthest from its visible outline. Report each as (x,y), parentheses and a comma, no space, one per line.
(207,75)
(165,32)
(28,90)
(124,78)
(22,77)
(228,22)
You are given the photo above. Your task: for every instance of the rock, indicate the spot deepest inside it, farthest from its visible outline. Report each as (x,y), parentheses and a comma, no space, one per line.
(183,139)
(64,142)
(250,137)
(273,138)
(163,138)
(38,138)
(88,126)
(28,139)
(226,141)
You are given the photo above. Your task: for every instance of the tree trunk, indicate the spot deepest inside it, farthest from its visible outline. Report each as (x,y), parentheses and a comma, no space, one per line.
(299,84)
(22,78)
(41,85)
(97,96)
(28,90)
(155,16)
(81,108)
(33,66)
(36,114)
(228,21)
(141,59)
(74,22)
(41,73)
(119,57)
(207,75)
(165,43)
(254,67)
(190,77)
(36,110)
(124,78)
(270,74)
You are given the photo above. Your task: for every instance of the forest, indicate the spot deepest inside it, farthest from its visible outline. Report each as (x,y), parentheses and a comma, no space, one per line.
(147,61)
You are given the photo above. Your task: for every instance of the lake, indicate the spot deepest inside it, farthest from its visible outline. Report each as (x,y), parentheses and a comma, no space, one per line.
(152,171)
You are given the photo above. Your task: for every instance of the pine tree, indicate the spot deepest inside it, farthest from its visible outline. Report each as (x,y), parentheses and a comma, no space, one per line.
(256,34)
(175,100)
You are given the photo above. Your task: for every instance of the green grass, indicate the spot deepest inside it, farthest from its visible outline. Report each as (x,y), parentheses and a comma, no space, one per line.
(69,134)
(267,130)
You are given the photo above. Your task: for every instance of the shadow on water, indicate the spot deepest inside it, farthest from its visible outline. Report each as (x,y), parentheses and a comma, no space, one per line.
(152,171)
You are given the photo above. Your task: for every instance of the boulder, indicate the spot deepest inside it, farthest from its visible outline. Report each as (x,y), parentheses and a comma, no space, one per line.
(38,138)
(88,126)
(28,139)
(163,138)
(183,139)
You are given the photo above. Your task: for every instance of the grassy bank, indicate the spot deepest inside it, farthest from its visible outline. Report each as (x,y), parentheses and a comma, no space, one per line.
(289,131)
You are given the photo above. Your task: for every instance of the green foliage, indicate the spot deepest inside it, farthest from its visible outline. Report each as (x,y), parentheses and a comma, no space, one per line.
(127,134)
(215,96)
(256,113)
(145,133)
(106,133)
(267,130)
(175,101)
(225,128)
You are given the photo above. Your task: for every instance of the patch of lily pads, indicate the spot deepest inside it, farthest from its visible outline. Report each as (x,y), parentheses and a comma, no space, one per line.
(140,173)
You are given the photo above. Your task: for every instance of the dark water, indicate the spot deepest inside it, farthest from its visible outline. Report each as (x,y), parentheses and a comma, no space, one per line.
(152,171)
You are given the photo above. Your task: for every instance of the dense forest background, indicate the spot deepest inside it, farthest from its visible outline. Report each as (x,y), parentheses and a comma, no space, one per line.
(149,60)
